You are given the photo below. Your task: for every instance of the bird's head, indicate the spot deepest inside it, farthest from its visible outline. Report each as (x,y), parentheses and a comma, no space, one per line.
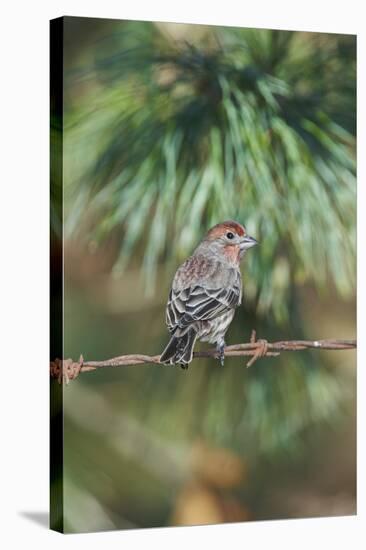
(229,238)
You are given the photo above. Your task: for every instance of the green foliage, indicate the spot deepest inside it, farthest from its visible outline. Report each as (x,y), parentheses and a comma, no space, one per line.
(251,125)
(172,137)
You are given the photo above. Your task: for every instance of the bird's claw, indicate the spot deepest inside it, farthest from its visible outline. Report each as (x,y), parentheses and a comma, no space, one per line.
(221,354)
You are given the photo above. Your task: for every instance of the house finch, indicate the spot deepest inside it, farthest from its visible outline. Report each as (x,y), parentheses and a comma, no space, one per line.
(206,289)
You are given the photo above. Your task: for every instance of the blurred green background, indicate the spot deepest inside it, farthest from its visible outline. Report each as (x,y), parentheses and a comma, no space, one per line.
(169,129)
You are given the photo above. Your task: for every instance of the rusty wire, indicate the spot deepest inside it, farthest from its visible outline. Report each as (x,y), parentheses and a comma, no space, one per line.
(67,369)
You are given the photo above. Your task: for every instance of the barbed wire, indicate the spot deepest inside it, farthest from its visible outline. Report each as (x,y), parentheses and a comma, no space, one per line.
(68,369)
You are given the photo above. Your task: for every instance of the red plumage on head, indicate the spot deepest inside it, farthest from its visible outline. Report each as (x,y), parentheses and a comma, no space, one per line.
(221,228)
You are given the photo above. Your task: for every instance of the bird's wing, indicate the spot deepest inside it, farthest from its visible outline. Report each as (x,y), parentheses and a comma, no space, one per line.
(197,303)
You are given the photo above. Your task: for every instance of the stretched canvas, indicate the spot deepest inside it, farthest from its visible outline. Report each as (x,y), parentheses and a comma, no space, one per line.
(203,215)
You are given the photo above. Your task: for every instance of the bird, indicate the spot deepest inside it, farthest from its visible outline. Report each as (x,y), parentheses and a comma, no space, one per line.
(206,290)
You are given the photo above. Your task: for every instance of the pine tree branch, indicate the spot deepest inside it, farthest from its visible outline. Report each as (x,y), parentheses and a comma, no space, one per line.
(67,369)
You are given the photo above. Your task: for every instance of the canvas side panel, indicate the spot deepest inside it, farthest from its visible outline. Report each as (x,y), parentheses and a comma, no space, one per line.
(56,270)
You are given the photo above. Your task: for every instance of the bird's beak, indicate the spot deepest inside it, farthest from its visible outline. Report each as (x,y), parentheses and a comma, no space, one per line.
(247,242)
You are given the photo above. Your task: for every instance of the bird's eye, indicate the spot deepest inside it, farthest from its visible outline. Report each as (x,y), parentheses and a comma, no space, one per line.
(230,235)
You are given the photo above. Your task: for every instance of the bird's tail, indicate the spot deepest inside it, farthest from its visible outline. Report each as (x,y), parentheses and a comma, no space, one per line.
(180,349)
